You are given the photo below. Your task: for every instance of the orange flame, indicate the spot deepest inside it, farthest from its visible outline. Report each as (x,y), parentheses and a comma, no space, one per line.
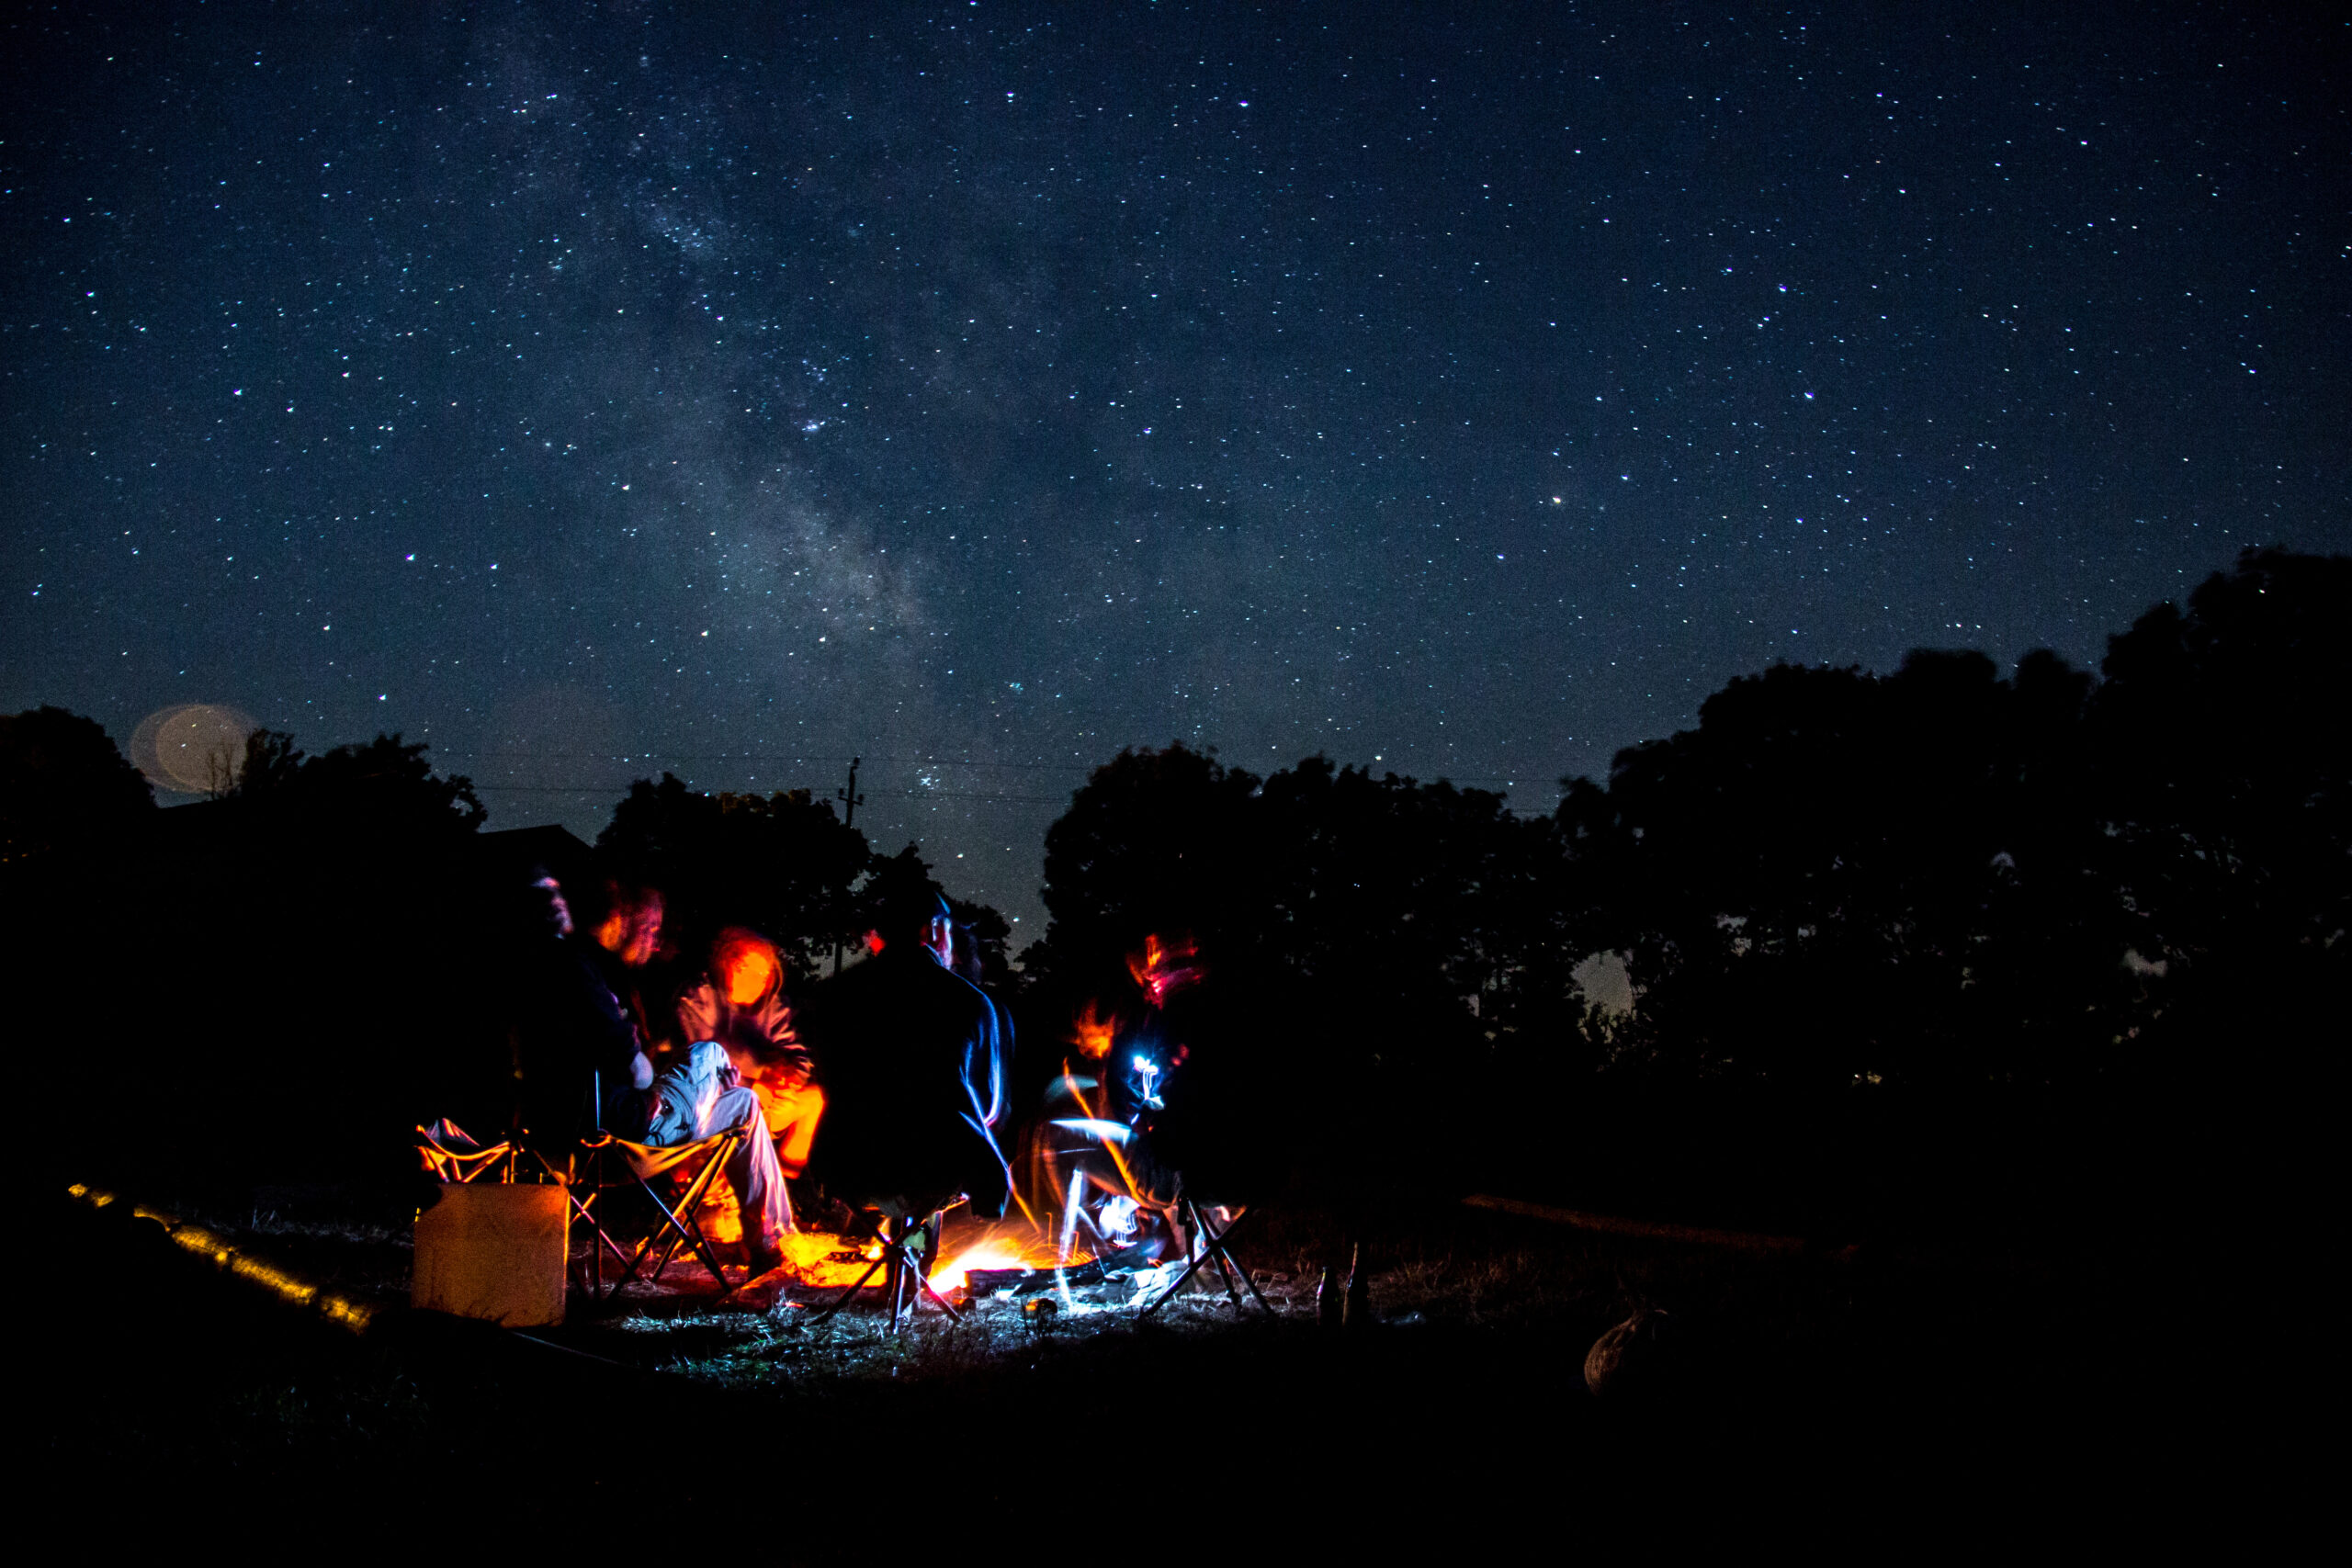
(999,1249)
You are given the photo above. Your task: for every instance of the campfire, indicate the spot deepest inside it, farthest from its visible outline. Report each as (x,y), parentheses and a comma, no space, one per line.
(1084,1216)
(1002,1257)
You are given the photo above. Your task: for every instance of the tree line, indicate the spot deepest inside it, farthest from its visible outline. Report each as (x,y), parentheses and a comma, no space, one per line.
(1941,880)
(1836,881)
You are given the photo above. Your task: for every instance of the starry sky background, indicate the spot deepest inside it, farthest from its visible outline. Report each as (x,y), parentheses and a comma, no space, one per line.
(980,389)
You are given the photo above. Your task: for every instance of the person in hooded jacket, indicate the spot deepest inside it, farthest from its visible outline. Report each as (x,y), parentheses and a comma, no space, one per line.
(741,1004)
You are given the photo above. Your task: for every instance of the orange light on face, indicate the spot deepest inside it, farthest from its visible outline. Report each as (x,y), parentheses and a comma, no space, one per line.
(613,935)
(632,931)
(752,973)
(1091,1033)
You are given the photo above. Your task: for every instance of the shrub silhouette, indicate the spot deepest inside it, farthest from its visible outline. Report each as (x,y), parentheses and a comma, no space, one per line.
(65,786)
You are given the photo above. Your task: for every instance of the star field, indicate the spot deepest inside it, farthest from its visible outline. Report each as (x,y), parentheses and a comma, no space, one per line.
(591,391)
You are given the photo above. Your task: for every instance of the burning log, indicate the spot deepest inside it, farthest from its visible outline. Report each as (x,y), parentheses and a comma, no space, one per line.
(984,1282)
(1022,1282)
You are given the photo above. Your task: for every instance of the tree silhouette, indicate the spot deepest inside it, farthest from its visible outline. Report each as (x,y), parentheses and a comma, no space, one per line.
(1944,877)
(1155,841)
(1839,878)
(1422,913)
(63,786)
(1410,919)
(781,863)
(2224,778)
(1939,886)
(384,787)
(991,937)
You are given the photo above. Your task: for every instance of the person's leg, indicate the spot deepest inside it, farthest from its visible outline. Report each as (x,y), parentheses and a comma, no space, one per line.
(793,1115)
(753,1171)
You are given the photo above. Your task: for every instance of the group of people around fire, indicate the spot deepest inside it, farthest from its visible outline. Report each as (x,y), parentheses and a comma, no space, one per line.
(886,1088)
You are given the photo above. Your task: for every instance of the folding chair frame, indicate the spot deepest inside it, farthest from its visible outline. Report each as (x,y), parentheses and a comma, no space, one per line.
(1213,1247)
(460,1165)
(583,1214)
(904,1266)
(679,1226)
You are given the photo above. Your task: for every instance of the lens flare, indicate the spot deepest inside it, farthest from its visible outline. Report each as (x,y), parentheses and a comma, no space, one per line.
(192,748)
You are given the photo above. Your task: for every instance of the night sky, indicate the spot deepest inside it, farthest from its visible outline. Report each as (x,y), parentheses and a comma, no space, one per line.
(980,389)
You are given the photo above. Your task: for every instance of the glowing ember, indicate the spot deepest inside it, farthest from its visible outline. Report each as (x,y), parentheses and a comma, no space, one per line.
(815,1258)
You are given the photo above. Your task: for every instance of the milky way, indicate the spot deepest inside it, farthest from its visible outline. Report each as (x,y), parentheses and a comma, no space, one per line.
(980,390)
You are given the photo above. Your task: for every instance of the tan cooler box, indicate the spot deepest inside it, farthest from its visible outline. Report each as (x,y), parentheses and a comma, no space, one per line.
(494,1251)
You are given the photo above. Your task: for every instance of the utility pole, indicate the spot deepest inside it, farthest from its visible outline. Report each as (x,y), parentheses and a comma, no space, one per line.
(851,800)
(849,795)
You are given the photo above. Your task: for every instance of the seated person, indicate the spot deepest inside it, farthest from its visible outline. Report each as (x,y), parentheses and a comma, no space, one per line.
(739,1003)
(906,1052)
(965,963)
(700,1097)
(578,1058)
(1094,1157)
(577,1034)
(623,925)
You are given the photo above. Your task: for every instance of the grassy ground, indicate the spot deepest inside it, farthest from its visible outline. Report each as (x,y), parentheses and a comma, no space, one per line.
(1985,1383)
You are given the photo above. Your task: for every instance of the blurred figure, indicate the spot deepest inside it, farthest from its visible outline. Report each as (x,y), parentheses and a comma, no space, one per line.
(1093,1159)
(965,962)
(626,925)
(578,1061)
(741,1004)
(905,1049)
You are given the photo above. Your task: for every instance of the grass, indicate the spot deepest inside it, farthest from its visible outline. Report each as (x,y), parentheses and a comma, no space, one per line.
(1901,1371)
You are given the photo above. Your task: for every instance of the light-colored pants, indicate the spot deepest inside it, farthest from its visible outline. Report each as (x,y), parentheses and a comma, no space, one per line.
(792,1115)
(689,1104)
(752,1170)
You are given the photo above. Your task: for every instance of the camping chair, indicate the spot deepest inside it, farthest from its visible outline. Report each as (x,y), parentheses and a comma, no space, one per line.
(607,1164)
(450,1153)
(1204,1244)
(599,1164)
(907,1280)
(1208,1245)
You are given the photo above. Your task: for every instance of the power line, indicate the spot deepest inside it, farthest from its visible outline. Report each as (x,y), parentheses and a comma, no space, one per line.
(650,757)
(911,794)
(762,757)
